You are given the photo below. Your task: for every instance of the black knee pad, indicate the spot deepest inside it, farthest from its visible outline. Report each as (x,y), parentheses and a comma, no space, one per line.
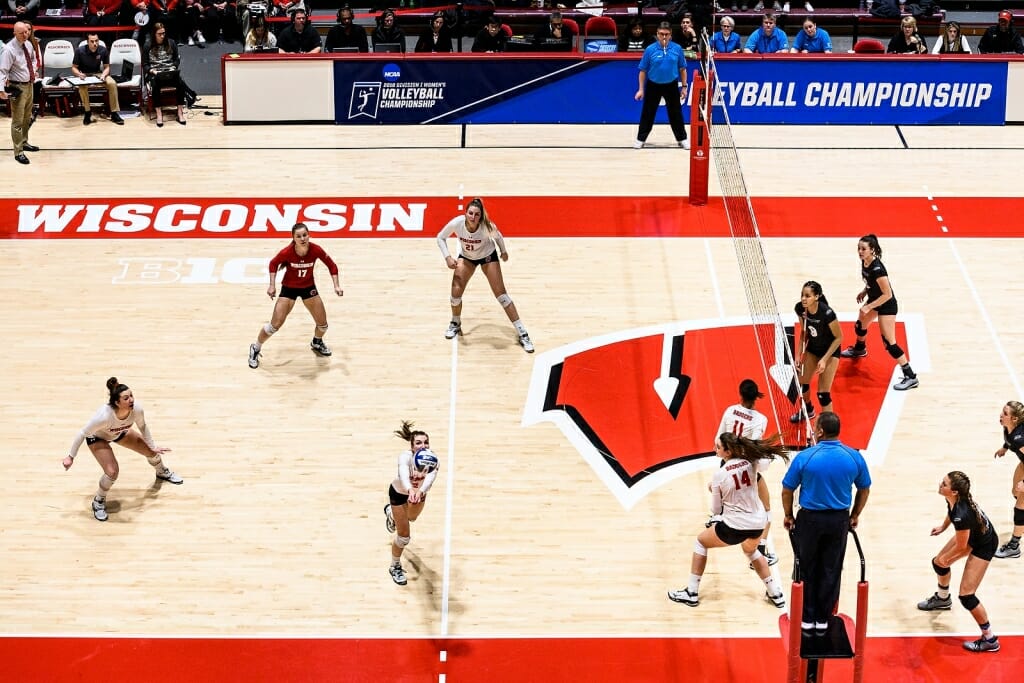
(941,571)
(804,388)
(894,349)
(969,601)
(825,399)
(859,329)
(1018,517)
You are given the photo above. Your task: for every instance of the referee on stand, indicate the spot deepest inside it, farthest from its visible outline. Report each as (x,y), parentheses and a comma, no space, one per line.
(662,76)
(17,76)
(825,474)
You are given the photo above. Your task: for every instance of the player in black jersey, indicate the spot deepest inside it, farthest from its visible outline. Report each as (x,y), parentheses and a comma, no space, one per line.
(1012,420)
(976,540)
(878,302)
(820,339)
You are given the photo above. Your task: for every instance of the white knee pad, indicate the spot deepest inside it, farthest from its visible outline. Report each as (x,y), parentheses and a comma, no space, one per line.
(455,301)
(269,330)
(321,328)
(699,548)
(402,541)
(505,300)
(755,556)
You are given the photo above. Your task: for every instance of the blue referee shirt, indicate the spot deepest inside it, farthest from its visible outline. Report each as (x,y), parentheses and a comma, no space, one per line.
(662,65)
(821,42)
(825,474)
(759,42)
(720,44)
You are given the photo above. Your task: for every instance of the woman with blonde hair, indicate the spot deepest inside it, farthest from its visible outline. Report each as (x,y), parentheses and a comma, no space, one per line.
(1012,420)
(481,248)
(908,41)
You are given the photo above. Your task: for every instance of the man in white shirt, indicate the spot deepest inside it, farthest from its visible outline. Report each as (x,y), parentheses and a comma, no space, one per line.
(17,73)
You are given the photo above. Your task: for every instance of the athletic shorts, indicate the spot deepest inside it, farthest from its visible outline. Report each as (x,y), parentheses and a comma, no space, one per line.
(492,258)
(819,353)
(732,536)
(890,307)
(299,292)
(397,498)
(987,550)
(93,439)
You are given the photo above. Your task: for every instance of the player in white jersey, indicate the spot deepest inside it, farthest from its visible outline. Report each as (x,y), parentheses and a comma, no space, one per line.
(742,419)
(417,470)
(738,517)
(481,248)
(112,423)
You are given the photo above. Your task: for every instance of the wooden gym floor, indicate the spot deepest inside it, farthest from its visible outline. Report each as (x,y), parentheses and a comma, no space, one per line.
(278,530)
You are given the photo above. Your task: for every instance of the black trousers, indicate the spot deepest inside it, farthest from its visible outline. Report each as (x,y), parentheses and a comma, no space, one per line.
(653,94)
(821,537)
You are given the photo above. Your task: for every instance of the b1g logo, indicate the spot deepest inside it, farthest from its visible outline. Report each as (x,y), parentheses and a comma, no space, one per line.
(642,406)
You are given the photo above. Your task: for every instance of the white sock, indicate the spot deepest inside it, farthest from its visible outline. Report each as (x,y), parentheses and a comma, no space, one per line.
(257,345)
(694,585)
(105,484)
(520,328)
(772,584)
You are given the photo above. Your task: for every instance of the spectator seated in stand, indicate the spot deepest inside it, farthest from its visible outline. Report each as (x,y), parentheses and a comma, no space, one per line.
(635,38)
(767,39)
(23,10)
(726,40)
(299,37)
(102,13)
(686,36)
(554,36)
(260,38)
(147,13)
(190,22)
(490,38)
(1002,38)
(92,59)
(951,41)
(812,39)
(346,34)
(908,41)
(219,17)
(438,38)
(161,66)
(387,31)
(284,8)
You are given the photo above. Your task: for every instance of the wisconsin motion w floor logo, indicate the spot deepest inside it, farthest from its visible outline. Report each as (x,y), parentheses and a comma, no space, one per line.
(365,100)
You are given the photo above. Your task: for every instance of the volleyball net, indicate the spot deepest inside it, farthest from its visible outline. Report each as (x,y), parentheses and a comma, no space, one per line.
(713,138)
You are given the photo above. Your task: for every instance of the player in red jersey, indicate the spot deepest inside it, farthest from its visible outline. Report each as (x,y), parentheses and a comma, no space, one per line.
(297,259)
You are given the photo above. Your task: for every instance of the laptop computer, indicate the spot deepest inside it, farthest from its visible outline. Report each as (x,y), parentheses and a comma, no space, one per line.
(127,70)
(265,49)
(387,47)
(344,49)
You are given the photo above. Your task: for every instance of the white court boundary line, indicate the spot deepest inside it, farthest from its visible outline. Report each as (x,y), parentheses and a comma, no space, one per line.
(975,295)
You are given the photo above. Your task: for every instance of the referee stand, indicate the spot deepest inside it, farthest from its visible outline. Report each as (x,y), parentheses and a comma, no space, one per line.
(806,652)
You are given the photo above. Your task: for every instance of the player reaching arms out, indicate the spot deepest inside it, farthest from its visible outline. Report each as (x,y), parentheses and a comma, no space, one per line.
(878,303)
(976,540)
(743,419)
(738,517)
(417,470)
(820,339)
(111,424)
(1012,420)
(297,260)
(481,244)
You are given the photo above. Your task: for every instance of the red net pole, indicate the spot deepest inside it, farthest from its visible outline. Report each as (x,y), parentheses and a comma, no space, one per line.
(794,669)
(700,139)
(862,632)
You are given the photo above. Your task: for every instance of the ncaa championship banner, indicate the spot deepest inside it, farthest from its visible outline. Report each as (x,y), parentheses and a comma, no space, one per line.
(798,89)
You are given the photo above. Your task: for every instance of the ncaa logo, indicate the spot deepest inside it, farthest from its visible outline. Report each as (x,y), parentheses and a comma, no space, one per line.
(392,73)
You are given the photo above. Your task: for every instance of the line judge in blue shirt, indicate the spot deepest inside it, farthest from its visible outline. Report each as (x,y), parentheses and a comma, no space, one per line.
(812,39)
(662,75)
(767,39)
(825,474)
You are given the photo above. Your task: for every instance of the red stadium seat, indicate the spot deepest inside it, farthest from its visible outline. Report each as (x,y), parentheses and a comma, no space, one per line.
(572,25)
(868,46)
(600,26)
(507,30)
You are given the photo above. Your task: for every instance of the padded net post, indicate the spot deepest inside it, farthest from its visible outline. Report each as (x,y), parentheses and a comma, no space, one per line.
(700,138)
